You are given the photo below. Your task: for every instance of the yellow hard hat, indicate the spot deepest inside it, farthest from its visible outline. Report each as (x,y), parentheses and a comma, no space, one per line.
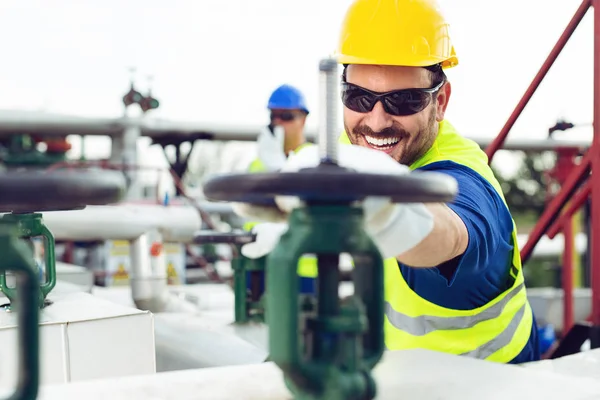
(395,32)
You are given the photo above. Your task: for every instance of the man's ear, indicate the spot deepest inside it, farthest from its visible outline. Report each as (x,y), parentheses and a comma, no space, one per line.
(442,99)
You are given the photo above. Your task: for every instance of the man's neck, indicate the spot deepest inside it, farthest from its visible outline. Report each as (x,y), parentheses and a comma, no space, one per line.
(293,146)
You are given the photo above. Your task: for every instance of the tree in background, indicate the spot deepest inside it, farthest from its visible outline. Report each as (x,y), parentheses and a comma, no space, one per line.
(525,191)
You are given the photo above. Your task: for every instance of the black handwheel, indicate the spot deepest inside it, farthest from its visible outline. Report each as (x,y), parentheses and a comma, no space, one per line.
(30,190)
(331,184)
(235,237)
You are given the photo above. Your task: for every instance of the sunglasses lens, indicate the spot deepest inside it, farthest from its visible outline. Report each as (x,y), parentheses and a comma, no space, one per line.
(398,103)
(284,116)
(357,99)
(407,102)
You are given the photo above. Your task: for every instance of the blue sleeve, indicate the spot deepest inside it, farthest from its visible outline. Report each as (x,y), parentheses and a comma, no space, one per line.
(488,221)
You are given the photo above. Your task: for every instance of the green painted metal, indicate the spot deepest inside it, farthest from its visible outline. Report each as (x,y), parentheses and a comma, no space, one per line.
(18,258)
(248,274)
(28,226)
(326,346)
(249,302)
(22,151)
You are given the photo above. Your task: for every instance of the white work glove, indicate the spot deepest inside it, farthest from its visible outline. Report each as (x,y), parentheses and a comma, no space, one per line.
(259,213)
(267,237)
(270,148)
(394,228)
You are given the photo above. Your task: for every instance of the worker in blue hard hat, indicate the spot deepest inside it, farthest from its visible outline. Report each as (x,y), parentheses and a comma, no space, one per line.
(284,135)
(285,132)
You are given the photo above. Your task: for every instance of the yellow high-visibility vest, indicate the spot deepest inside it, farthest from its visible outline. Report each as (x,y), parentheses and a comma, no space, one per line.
(497,331)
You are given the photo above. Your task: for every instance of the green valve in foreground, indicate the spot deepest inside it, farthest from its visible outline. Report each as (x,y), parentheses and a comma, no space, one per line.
(22,193)
(327,346)
(17,257)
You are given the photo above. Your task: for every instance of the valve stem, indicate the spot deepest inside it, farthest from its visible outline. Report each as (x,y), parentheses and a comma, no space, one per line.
(328,111)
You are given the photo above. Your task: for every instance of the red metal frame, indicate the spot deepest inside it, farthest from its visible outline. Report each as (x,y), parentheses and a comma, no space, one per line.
(567,277)
(539,77)
(570,190)
(565,164)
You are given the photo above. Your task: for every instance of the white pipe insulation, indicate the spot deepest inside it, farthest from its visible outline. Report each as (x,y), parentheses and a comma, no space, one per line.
(148,277)
(141,225)
(176,223)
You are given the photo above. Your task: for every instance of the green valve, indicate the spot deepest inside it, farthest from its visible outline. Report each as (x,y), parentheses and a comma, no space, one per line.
(247,274)
(327,347)
(30,226)
(22,193)
(328,350)
(17,257)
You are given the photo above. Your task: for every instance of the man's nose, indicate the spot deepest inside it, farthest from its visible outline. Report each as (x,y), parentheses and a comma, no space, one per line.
(377,119)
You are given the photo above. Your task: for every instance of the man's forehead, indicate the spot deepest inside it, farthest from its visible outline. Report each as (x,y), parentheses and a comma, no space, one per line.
(387,74)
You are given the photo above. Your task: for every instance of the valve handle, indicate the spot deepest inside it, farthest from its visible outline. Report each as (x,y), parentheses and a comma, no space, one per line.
(30,191)
(331,184)
(237,237)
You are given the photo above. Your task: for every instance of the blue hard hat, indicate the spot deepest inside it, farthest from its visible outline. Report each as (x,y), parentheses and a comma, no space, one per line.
(287,97)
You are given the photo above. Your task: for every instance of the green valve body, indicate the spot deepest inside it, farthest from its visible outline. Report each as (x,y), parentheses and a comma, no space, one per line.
(247,273)
(18,257)
(327,347)
(31,225)
(249,299)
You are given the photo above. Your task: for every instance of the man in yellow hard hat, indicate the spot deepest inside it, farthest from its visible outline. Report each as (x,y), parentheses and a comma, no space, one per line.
(453,276)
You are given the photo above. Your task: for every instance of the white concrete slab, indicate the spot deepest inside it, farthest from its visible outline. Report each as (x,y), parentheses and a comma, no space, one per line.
(414,374)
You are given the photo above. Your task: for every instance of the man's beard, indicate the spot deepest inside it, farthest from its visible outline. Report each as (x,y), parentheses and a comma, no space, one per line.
(415,145)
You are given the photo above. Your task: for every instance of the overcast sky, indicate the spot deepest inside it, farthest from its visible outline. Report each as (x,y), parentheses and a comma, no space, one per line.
(216,60)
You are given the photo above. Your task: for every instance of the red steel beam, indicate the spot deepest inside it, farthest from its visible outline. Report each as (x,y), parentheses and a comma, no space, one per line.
(560,44)
(594,250)
(567,275)
(574,205)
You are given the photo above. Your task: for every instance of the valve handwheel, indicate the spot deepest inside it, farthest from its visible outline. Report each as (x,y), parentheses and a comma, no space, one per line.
(26,191)
(329,183)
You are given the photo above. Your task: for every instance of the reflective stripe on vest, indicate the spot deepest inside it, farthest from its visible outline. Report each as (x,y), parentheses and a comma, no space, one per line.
(424,324)
(498,330)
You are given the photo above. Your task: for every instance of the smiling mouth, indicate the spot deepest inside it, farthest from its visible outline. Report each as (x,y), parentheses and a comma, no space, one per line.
(384,144)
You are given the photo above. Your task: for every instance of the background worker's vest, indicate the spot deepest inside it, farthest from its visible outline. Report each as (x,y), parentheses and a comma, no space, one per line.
(497,331)
(307,266)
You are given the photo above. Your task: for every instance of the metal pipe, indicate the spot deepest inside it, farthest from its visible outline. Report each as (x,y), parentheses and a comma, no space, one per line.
(567,275)
(124,222)
(595,178)
(328,119)
(560,44)
(148,277)
(537,145)
(553,209)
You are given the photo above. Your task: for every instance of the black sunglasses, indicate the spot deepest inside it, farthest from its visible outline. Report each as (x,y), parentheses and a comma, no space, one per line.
(401,102)
(283,116)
